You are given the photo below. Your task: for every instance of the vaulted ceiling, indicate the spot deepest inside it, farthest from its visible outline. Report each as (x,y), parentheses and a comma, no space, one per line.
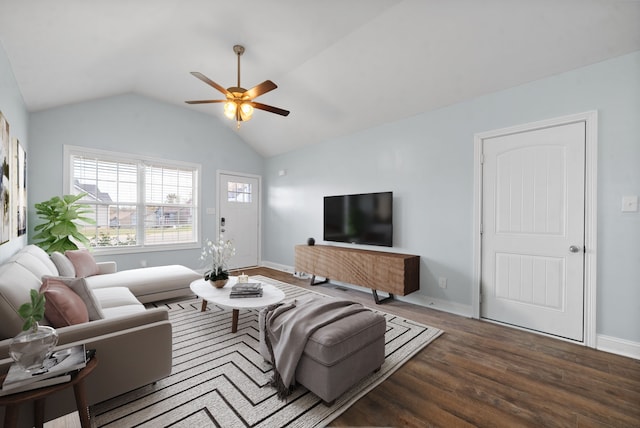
(341,65)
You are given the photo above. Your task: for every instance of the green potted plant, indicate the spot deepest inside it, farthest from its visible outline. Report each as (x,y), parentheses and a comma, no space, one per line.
(217,254)
(35,342)
(60,228)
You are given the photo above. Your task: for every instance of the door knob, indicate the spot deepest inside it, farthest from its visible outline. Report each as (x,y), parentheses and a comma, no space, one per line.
(574,249)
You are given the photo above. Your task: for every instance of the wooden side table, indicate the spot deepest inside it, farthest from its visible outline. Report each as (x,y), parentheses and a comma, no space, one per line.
(12,402)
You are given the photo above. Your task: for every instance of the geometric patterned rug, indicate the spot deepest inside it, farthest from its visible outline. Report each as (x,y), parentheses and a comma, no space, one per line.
(219,379)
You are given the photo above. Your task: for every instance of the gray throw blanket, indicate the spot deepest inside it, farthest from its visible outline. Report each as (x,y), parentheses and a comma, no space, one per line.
(287,327)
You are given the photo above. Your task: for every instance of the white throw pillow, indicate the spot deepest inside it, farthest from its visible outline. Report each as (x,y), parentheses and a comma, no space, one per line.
(63,264)
(82,289)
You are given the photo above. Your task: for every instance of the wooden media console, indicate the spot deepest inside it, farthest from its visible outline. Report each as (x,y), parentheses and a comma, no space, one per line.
(392,273)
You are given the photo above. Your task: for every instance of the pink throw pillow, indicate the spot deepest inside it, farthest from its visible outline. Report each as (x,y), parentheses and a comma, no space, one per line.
(83,262)
(62,307)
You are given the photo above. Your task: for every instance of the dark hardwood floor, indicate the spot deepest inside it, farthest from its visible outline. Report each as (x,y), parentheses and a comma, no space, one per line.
(479,374)
(482,374)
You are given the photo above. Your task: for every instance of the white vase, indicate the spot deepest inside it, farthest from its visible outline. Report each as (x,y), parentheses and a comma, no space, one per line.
(30,348)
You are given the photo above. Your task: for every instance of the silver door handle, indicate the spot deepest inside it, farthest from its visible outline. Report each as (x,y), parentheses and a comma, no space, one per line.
(574,249)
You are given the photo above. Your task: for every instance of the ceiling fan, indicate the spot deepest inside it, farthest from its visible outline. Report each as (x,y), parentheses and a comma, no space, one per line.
(239,102)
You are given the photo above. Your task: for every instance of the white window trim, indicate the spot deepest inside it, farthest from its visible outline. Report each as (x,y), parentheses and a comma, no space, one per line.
(69,150)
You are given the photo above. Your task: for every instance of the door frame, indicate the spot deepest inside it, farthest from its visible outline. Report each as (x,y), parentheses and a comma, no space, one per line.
(219,173)
(591,209)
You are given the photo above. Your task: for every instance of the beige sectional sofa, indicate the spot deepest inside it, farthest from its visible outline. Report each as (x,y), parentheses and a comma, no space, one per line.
(133,344)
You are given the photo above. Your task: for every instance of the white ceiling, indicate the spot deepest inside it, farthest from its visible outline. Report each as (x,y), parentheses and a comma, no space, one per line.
(341,65)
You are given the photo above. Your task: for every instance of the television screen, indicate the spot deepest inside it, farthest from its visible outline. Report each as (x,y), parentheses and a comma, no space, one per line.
(359,219)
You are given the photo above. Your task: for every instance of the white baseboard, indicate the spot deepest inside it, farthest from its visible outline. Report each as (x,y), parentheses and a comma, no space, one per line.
(618,346)
(439,304)
(277,266)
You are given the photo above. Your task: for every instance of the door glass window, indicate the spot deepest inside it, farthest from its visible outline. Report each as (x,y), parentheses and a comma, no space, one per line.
(239,192)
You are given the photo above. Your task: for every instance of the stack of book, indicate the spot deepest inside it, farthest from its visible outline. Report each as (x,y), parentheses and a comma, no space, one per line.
(58,368)
(247,289)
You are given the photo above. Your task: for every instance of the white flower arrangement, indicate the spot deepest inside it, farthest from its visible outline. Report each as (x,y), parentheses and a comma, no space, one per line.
(217,255)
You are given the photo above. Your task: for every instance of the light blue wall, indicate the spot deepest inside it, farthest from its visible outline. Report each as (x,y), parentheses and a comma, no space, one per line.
(140,126)
(13,108)
(427,161)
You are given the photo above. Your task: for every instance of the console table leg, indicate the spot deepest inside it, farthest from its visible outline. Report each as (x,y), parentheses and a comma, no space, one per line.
(379,300)
(314,282)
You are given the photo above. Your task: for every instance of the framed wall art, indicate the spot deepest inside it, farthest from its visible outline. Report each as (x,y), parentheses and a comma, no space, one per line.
(20,189)
(5,184)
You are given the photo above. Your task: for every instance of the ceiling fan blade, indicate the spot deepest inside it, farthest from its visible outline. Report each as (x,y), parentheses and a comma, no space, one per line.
(260,89)
(211,83)
(270,109)
(205,101)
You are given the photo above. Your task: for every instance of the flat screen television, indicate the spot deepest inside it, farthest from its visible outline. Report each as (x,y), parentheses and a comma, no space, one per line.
(359,219)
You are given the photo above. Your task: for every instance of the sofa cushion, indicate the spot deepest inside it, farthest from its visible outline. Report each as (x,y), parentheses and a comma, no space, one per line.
(83,262)
(118,301)
(62,307)
(64,265)
(113,297)
(35,264)
(336,341)
(82,289)
(16,283)
(42,256)
(123,311)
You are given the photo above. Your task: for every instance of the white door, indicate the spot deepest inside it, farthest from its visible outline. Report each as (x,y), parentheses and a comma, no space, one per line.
(533,211)
(238,216)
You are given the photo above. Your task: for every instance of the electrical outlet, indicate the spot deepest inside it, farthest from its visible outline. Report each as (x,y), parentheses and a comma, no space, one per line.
(629,204)
(442,282)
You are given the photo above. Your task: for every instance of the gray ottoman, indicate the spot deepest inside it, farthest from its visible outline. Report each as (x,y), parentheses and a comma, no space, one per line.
(340,354)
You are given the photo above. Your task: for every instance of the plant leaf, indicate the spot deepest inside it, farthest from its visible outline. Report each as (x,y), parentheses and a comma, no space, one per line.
(87,220)
(24,310)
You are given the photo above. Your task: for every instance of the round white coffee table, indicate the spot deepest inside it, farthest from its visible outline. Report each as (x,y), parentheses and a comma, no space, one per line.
(220,297)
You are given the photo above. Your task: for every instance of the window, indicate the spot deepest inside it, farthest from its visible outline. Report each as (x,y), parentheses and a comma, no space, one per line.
(137,202)
(239,192)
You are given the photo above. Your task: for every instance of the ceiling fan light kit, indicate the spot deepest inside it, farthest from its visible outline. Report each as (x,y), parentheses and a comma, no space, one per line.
(232,111)
(239,104)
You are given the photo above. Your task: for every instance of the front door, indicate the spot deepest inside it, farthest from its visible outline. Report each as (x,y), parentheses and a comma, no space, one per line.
(533,218)
(238,219)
